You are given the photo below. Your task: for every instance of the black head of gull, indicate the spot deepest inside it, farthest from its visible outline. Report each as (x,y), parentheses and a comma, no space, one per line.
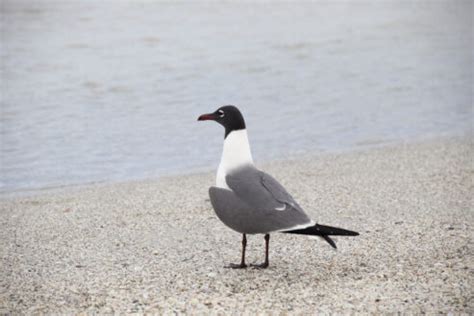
(228,116)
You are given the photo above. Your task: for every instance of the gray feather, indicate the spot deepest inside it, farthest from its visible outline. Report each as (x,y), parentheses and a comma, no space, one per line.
(251,206)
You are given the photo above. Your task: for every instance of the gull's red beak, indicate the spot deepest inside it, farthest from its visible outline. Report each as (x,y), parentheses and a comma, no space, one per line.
(207,117)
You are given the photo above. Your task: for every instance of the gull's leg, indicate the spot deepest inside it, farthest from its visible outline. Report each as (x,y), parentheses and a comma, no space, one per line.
(242,262)
(266,263)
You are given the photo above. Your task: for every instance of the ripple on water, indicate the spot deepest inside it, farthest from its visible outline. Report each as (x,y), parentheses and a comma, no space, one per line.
(119,99)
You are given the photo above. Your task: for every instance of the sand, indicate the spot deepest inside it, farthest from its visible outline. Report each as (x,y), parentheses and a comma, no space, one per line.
(156,246)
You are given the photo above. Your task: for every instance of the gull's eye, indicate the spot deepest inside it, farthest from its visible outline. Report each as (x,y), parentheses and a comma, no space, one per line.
(221,113)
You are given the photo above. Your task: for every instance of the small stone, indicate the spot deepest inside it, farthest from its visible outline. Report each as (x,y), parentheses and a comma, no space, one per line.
(212,275)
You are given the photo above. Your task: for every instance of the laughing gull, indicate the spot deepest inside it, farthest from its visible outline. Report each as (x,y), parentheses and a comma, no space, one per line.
(251,201)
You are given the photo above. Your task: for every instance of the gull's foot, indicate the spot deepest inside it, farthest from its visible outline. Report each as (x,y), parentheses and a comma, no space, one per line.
(236,266)
(260,266)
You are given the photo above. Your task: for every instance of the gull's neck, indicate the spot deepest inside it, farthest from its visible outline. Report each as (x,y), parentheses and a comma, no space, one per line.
(236,153)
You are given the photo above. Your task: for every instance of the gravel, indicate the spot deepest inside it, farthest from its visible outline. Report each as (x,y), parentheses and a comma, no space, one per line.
(157,246)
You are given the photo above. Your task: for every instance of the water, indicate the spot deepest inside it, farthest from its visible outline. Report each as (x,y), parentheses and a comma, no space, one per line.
(107,91)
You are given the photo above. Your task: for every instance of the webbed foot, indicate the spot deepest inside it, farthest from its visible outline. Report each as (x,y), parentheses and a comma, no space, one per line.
(260,266)
(236,266)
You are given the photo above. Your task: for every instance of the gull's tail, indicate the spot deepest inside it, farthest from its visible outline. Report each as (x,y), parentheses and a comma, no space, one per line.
(324,232)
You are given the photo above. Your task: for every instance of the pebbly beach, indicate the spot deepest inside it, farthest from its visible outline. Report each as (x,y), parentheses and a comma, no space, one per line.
(156,245)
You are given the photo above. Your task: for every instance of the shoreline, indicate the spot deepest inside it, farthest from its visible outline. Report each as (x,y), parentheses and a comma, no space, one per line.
(323,154)
(156,245)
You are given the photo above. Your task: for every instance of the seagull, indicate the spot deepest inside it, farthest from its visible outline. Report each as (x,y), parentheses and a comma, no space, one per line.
(251,201)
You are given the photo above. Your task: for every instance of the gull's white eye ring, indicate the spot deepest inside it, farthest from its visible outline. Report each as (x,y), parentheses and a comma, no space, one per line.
(221,113)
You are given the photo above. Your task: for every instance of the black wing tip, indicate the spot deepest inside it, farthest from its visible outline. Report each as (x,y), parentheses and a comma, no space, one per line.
(322,230)
(350,233)
(335,231)
(330,241)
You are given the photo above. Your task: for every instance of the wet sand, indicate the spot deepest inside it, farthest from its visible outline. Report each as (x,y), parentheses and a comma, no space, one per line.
(156,246)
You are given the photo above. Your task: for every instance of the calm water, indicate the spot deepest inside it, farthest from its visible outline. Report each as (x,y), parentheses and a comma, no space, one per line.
(106,91)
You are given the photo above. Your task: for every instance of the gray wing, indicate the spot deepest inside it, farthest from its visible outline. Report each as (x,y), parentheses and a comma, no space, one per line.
(237,214)
(278,192)
(243,218)
(266,197)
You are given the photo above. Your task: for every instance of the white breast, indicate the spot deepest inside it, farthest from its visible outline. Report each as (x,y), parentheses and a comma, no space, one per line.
(236,153)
